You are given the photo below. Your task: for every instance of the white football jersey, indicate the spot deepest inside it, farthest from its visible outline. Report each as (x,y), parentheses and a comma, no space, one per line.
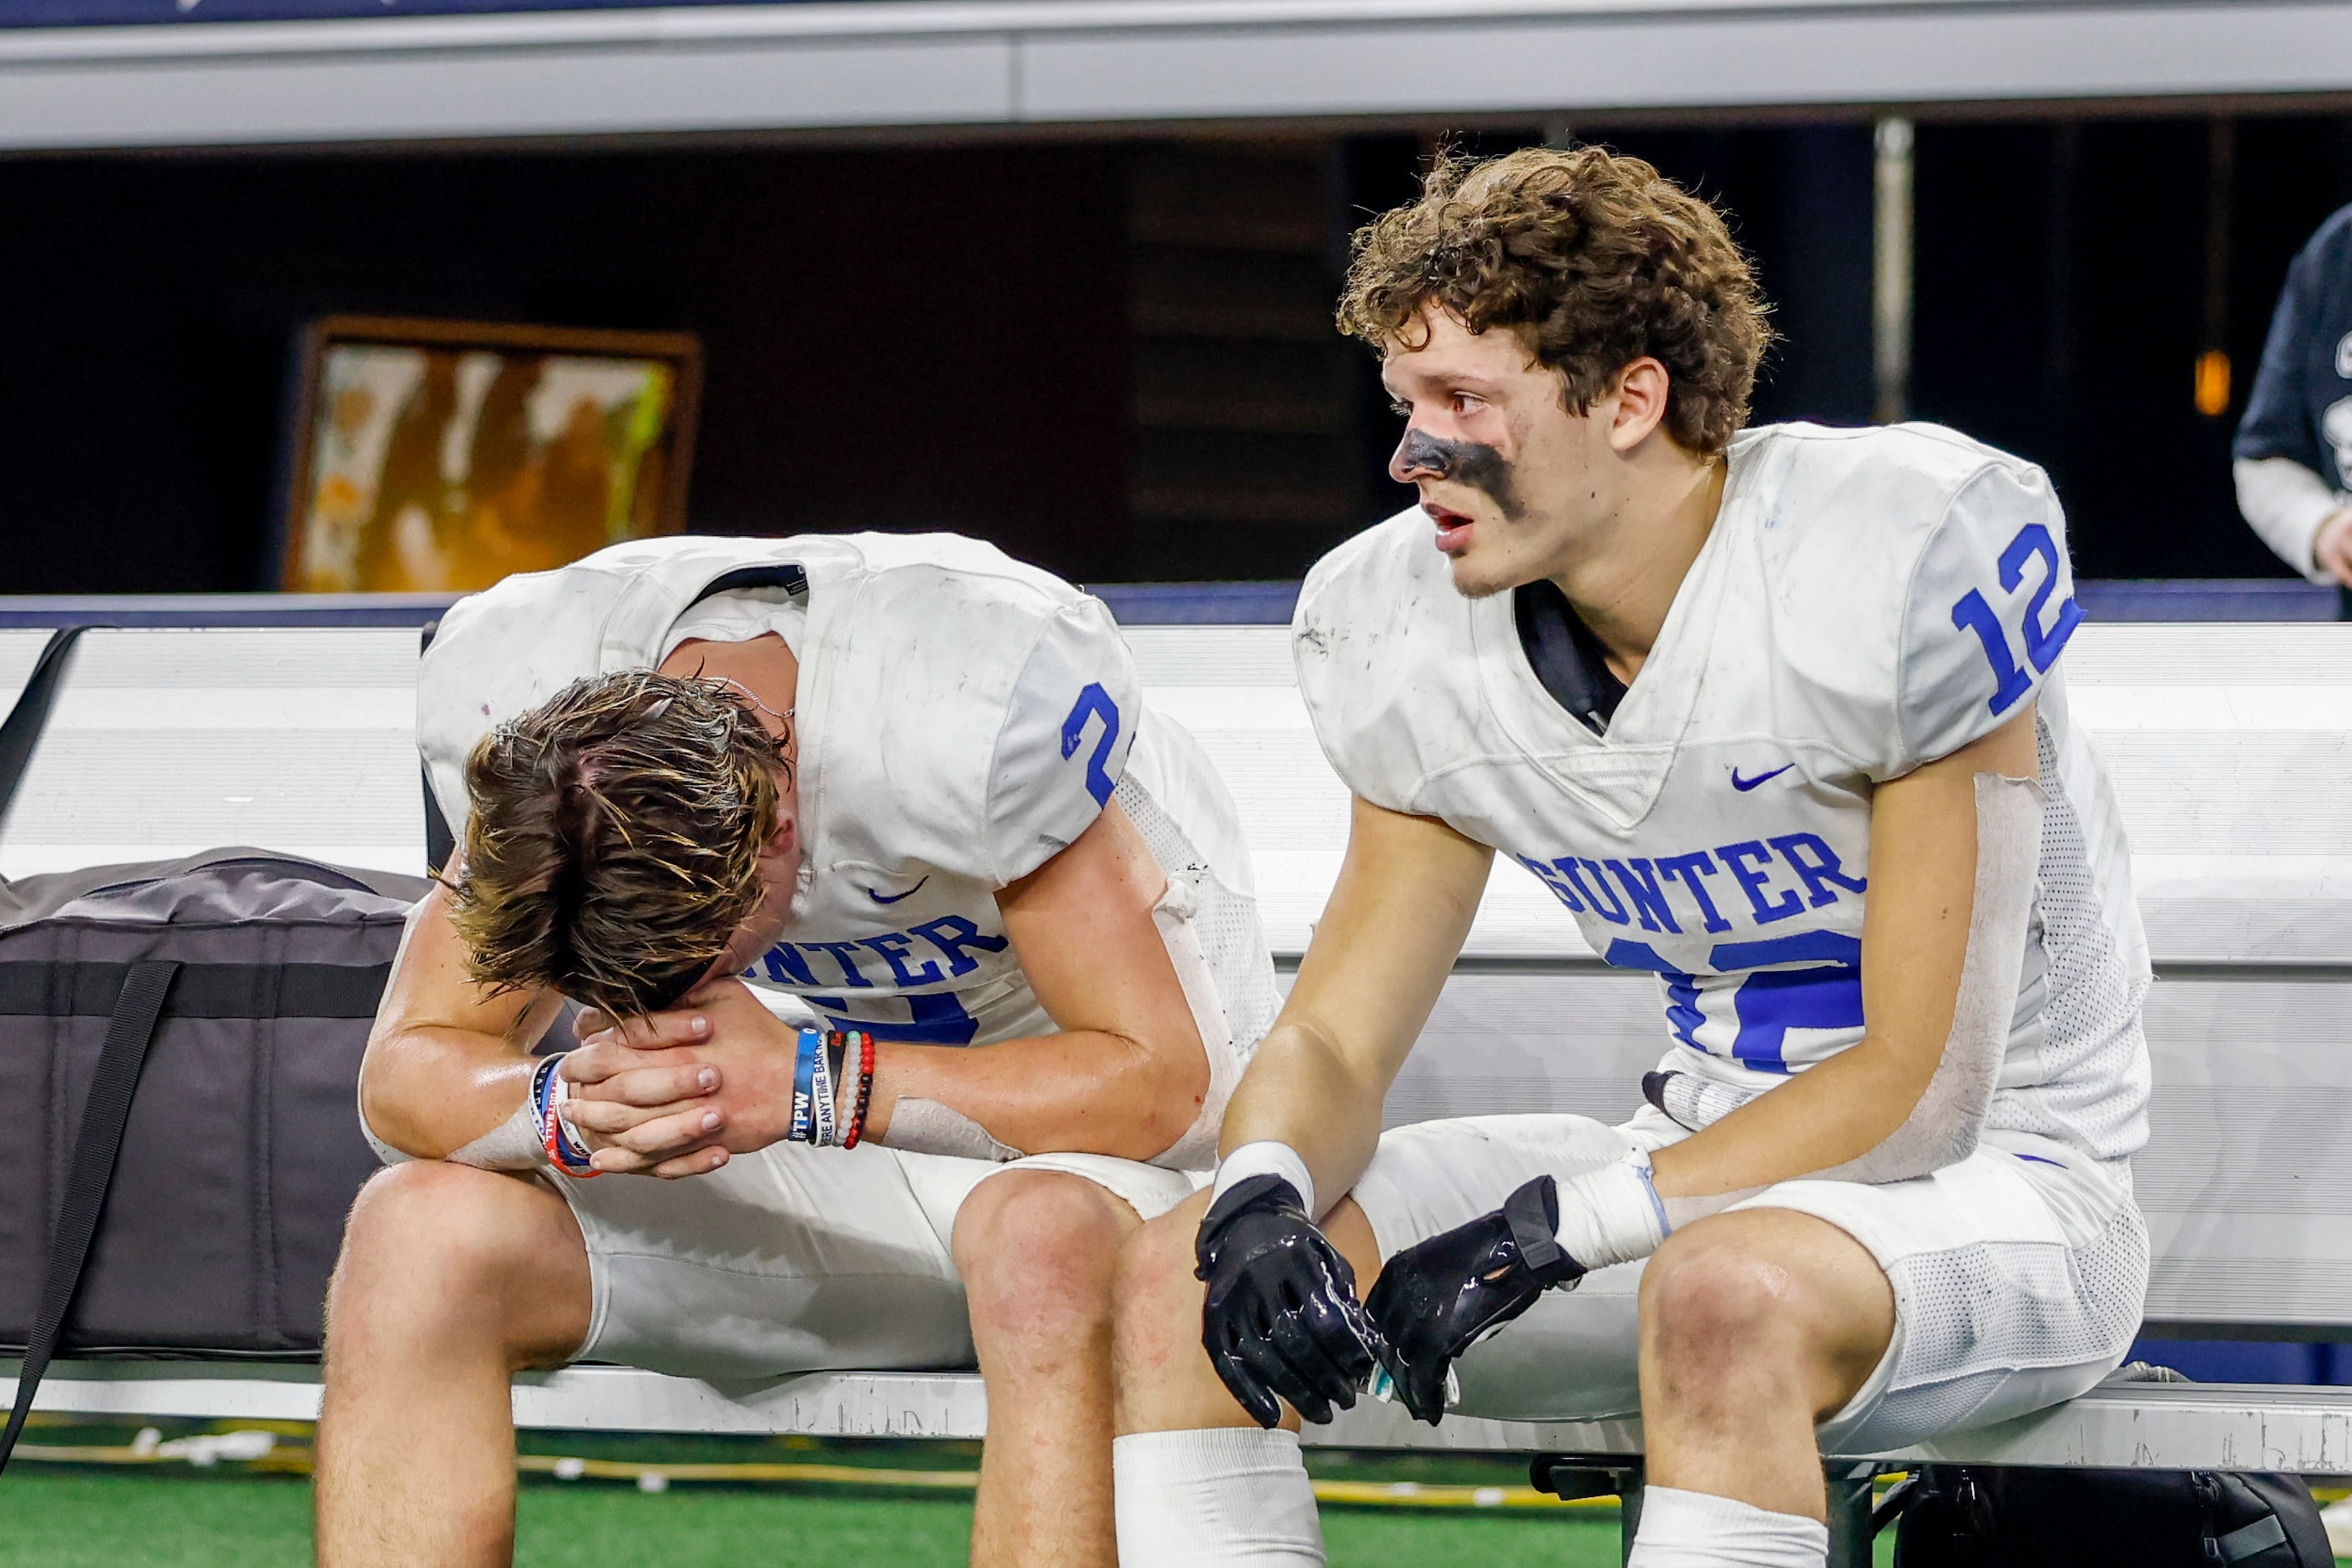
(1868,601)
(960,716)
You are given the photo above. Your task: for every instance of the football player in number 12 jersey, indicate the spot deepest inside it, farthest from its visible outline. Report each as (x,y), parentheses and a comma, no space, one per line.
(1778,716)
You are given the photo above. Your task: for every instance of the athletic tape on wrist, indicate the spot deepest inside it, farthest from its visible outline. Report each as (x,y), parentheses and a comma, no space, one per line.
(1612,1215)
(513,1144)
(928,1127)
(1267,1157)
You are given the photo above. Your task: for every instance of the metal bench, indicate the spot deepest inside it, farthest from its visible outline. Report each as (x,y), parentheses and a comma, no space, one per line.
(2229,746)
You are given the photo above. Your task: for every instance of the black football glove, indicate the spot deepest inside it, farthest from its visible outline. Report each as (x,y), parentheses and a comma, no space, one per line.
(1281,1318)
(1436,1299)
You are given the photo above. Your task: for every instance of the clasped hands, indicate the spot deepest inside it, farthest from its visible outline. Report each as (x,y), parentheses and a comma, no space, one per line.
(676,1093)
(1281,1322)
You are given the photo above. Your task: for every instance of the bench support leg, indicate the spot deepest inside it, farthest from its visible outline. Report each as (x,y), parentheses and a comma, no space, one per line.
(1571,1476)
(1849,1487)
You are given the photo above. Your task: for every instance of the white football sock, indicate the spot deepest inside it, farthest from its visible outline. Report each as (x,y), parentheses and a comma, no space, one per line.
(1694,1530)
(1233,1495)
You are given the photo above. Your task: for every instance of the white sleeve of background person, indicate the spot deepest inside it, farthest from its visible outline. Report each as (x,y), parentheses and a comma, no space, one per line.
(1222,1497)
(2285,502)
(1696,1529)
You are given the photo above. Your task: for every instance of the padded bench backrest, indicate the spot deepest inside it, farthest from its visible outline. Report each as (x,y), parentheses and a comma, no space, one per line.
(2230,748)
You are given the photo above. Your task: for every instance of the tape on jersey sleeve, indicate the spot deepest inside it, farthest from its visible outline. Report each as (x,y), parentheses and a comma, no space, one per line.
(1944,1127)
(1069,722)
(1990,607)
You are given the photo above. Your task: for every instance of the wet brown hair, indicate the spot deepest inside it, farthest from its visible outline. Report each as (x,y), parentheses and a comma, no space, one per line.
(1594,259)
(614,841)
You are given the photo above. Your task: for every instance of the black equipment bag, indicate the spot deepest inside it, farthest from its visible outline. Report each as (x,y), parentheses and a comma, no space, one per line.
(180,1045)
(1962,1516)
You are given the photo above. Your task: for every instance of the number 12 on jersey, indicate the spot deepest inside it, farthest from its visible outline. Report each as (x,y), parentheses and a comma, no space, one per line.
(2043,639)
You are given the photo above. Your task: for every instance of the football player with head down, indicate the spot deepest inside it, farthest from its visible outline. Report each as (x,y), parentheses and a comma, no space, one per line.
(875,874)
(1776,714)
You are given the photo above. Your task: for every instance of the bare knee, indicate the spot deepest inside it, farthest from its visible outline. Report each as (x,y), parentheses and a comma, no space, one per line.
(438,1250)
(1037,1251)
(1741,1313)
(1156,1298)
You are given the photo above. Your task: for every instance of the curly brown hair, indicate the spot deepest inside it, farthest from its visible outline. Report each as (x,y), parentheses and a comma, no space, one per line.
(615,838)
(1594,259)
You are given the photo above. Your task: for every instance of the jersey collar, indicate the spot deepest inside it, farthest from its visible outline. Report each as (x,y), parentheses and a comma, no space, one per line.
(1622,771)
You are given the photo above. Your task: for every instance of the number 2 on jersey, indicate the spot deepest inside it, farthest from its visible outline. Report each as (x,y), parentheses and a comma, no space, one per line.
(2042,640)
(1094,702)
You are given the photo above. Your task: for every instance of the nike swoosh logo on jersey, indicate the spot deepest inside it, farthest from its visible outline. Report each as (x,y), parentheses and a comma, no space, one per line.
(894,898)
(1744,785)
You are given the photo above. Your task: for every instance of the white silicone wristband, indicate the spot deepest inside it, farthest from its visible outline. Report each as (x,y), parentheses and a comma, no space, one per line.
(1267,1157)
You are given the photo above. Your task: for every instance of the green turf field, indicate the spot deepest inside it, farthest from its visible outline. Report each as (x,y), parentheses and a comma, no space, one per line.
(72,1518)
(158,1515)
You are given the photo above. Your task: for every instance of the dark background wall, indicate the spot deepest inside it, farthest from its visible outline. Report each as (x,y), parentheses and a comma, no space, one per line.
(892,339)
(1112,357)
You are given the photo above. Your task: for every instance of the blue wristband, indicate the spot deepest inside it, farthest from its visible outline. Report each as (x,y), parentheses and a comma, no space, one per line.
(804,1054)
(566,1155)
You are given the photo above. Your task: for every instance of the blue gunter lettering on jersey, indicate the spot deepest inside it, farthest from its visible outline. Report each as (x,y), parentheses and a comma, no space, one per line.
(1094,702)
(1768,1001)
(1754,882)
(1590,887)
(1817,863)
(1613,911)
(1641,883)
(893,946)
(786,967)
(954,937)
(934,1018)
(845,953)
(953,933)
(1687,870)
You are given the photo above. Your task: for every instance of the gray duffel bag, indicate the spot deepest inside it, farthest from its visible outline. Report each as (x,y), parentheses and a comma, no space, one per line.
(180,1045)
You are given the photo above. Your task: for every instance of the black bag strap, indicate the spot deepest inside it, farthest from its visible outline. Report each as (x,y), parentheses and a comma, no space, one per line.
(103,1117)
(20,733)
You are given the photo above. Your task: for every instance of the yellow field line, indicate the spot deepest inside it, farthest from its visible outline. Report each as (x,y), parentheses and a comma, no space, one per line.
(296,1459)
(290,1458)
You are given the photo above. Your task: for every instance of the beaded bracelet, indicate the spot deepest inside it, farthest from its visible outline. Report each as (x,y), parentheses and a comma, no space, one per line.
(865,1091)
(821,1057)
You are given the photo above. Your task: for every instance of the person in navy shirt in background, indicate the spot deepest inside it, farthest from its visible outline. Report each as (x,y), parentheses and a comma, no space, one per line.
(2294,447)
